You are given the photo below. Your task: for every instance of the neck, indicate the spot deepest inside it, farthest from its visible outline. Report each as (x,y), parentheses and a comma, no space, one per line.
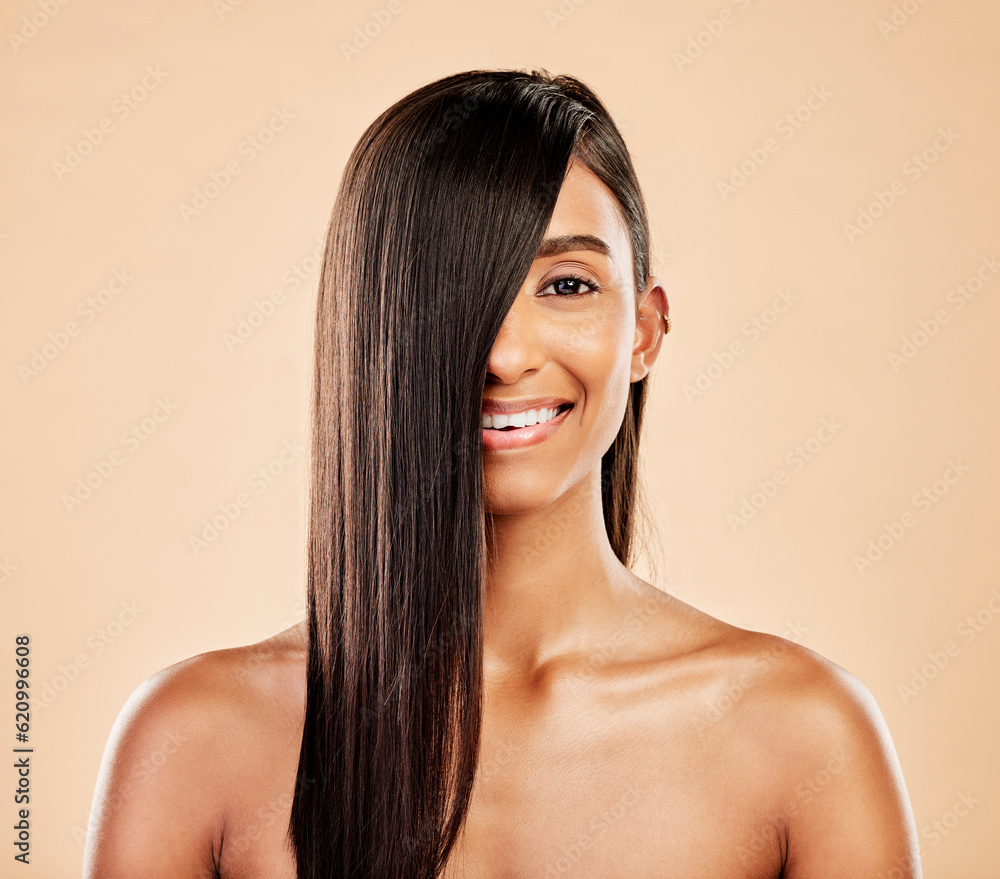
(553,583)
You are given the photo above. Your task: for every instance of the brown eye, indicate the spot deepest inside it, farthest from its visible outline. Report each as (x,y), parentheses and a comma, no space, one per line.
(569,286)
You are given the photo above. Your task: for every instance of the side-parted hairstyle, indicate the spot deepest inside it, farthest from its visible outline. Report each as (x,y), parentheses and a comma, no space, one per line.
(440,213)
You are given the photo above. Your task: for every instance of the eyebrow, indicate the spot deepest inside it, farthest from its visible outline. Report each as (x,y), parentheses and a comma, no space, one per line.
(555,246)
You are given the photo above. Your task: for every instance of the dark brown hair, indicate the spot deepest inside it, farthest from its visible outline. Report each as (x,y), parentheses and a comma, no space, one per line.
(442,207)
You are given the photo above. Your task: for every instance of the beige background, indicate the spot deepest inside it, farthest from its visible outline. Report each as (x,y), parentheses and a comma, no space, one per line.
(215,74)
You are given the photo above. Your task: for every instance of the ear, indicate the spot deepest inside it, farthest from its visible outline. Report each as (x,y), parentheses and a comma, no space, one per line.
(649,328)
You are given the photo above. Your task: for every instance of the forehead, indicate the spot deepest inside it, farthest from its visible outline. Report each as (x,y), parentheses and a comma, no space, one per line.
(586,206)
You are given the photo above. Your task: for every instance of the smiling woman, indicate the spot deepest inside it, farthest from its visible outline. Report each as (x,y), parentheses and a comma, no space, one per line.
(482,686)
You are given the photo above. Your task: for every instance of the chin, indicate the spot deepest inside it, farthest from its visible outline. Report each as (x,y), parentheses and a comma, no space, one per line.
(513,489)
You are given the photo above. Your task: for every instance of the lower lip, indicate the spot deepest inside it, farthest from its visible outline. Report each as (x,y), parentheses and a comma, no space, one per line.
(494,440)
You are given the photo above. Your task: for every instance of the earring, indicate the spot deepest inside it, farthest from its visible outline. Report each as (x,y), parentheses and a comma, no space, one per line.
(666,324)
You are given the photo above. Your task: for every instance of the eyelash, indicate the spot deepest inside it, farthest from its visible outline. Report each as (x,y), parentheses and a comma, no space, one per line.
(593,285)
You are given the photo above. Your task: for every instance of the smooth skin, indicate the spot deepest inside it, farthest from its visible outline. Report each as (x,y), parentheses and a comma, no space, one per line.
(626,734)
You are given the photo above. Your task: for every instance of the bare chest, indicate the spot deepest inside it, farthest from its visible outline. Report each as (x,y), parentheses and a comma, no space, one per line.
(616,794)
(596,790)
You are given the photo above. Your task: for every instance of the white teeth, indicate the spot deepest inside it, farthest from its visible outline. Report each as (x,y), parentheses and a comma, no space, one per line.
(520,419)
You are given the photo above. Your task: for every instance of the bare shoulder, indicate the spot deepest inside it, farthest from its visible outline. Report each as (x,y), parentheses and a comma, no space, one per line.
(813,742)
(183,752)
(782,691)
(761,678)
(800,700)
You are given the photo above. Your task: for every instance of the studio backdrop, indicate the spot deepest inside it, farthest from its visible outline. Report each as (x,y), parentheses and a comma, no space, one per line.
(820,449)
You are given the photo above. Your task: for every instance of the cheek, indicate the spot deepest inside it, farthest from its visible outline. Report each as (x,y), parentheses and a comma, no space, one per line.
(597,350)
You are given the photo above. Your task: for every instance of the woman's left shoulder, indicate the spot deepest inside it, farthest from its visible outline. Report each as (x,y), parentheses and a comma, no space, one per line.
(813,741)
(780,695)
(800,686)
(822,728)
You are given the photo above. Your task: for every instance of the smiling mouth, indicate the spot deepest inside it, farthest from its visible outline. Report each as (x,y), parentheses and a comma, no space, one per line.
(565,407)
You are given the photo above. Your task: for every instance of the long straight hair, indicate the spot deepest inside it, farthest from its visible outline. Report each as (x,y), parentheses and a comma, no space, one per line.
(440,213)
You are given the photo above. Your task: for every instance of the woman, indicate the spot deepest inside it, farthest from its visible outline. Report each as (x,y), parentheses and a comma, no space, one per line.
(482,687)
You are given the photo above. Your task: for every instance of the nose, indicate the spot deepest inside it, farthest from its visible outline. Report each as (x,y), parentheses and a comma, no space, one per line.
(518,346)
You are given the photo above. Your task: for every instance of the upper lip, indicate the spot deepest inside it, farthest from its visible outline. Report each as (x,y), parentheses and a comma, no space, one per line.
(506,407)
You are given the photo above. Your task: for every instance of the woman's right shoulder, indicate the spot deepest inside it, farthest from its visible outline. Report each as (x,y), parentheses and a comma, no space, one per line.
(181,752)
(214,685)
(214,695)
